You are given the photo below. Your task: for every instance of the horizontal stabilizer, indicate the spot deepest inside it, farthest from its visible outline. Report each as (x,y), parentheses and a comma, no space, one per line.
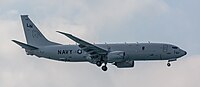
(25,46)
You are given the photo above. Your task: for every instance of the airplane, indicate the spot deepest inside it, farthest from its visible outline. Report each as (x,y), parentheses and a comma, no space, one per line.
(122,55)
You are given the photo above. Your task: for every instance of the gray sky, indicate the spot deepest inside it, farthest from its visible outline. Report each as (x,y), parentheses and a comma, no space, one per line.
(99,21)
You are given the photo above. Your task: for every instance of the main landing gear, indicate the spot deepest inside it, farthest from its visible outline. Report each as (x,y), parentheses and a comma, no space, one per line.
(99,63)
(104,67)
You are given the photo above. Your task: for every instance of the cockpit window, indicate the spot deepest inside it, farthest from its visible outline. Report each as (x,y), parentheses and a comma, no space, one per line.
(175,47)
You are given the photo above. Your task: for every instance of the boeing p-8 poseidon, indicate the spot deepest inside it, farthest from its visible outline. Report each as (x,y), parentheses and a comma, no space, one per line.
(121,55)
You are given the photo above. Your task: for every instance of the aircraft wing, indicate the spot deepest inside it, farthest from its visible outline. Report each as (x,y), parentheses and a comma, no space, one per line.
(86,46)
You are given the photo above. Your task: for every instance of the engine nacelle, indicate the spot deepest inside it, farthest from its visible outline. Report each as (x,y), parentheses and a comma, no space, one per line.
(116,56)
(126,64)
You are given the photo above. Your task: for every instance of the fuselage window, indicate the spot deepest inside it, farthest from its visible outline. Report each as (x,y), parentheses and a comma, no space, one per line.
(165,47)
(143,48)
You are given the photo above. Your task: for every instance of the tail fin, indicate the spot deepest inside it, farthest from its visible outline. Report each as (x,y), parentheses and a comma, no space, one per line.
(33,36)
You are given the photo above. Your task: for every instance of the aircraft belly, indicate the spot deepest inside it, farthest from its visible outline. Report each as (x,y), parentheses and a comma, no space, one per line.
(71,54)
(72,58)
(144,57)
(77,58)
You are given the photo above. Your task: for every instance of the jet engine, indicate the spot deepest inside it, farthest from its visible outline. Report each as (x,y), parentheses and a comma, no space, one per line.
(116,56)
(126,64)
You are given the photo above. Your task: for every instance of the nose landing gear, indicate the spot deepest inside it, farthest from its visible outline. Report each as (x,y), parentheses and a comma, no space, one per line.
(168,64)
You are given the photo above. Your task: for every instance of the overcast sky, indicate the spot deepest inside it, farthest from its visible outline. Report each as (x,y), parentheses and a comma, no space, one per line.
(98,21)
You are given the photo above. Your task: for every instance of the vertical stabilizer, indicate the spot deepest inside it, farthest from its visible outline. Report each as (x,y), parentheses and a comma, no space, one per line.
(33,36)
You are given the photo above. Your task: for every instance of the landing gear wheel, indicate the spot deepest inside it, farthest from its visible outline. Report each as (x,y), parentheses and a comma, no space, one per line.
(98,63)
(104,68)
(168,64)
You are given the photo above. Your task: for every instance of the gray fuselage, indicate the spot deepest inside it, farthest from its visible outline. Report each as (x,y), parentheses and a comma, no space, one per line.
(133,51)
